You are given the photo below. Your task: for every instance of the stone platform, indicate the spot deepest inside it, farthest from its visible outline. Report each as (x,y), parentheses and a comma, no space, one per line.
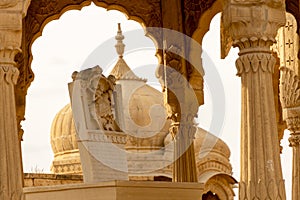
(117,190)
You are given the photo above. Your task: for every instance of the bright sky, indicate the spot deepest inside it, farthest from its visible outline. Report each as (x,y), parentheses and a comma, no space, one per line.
(74,41)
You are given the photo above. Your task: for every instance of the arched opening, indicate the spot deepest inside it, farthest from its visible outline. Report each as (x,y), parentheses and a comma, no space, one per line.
(210,196)
(65,46)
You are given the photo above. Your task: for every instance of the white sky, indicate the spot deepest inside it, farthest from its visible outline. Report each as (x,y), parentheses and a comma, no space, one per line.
(68,42)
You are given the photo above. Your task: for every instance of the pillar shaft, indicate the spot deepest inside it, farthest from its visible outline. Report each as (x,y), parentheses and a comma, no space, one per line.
(295,144)
(292,117)
(184,166)
(11,173)
(261,175)
(182,106)
(252,28)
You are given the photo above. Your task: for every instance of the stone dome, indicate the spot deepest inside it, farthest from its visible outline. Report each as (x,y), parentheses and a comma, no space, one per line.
(212,154)
(64,144)
(206,142)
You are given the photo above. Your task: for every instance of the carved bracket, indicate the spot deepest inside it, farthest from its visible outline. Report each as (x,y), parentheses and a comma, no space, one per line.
(289,88)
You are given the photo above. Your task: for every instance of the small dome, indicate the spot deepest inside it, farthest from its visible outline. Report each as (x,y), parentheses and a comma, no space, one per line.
(206,142)
(64,143)
(212,154)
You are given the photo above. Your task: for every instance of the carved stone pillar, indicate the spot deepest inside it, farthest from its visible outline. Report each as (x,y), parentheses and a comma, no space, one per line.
(288,47)
(294,127)
(290,101)
(182,107)
(11,173)
(179,95)
(253,27)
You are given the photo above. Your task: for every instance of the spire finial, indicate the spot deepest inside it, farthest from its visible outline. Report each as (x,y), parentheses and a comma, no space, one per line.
(120,46)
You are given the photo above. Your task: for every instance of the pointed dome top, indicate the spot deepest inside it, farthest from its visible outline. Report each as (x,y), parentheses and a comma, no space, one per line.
(120,46)
(121,70)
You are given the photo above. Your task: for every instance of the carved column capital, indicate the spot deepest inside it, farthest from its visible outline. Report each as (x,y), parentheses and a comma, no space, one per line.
(7,55)
(253,24)
(293,124)
(294,140)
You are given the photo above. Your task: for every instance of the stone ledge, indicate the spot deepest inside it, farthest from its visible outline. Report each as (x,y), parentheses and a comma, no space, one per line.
(117,190)
(53,176)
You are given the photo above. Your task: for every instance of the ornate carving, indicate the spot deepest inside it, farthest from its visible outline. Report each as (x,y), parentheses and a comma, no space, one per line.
(147,11)
(193,9)
(293,124)
(288,44)
(295,139)
(39,13)
(254,62)
(240,27)
(261,190)
(25,78)
(289,88)
(7,55)
(221,187)
(293,7)
(9,74)
(98,90)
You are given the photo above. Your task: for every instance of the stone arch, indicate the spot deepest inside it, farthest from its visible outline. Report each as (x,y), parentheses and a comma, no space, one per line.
(205,20)
(221,184)
(41,12)
(195,48)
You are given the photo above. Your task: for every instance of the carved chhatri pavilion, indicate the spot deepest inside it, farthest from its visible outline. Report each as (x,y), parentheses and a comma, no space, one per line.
(270,98)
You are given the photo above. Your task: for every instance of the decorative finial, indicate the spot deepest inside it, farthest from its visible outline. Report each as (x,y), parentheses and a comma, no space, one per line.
(120,46)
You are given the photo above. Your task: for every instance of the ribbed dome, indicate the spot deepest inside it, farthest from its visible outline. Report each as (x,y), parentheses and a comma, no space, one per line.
(212,154)
(206,142)
(64,144)
(63,133)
